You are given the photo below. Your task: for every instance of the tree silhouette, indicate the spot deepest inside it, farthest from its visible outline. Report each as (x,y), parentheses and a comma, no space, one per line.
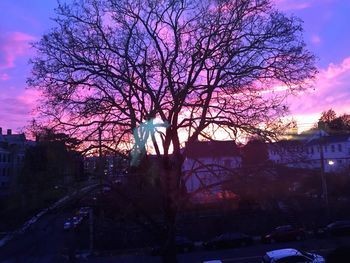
(334,123)
(156,73)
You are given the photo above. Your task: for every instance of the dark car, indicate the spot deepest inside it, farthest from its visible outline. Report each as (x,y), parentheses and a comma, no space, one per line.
(284,233)
(229,240)
(183,244)
(337,228)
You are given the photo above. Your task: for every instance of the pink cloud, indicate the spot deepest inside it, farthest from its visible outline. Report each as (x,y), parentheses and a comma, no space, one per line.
(331,90)
(12,46)
(292,4)
(16,111)
(315,39)
(4,76)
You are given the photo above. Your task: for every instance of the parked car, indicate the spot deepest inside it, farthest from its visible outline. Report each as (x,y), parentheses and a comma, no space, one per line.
(229,240)
(337,228)
(183,244)
(291,255)
(76,220)
(284,233)
(84,211)
(68,224)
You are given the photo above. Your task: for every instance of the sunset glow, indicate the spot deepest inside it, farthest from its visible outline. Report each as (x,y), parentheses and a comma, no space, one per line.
(325,24)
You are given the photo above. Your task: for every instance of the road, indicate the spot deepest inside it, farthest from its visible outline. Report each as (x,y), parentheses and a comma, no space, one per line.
(42,242)
(251,254)
(45,242)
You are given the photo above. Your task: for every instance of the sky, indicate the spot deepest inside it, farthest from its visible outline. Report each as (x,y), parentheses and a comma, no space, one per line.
(326,32)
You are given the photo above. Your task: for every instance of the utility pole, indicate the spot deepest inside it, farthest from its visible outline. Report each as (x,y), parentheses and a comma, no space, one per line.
(321,125)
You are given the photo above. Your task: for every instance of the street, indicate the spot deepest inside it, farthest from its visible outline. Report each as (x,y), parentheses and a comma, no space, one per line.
(47,242)
(43,242)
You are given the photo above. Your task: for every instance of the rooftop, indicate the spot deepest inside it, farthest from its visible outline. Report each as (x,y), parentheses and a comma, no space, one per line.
(200,149)
(281,253)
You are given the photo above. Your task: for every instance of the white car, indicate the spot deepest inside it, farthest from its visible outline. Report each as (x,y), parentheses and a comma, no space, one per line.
(291,255)
(77,220)
(84,211)
(67,224)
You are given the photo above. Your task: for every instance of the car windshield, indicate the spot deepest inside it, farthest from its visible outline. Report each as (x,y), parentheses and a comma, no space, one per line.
(307,254)
(283,228)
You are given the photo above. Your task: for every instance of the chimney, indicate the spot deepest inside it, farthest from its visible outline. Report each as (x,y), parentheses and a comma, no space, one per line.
(9,131)
(0,131)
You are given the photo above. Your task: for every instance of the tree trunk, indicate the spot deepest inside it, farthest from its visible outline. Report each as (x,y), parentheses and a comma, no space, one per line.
(169,252)
(170,190)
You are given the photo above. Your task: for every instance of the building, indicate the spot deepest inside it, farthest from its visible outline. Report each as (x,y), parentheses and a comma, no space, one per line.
(306,151)
(208,163)
(12,152)
(112,166)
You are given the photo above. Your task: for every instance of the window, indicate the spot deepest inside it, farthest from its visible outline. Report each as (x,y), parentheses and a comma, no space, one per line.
(294,259)
(340,161)
(333,148)
(325,148)
(312,150)
(339,147)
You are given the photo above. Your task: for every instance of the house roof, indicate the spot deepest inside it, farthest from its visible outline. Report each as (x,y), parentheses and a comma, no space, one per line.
(286,144)
(200,149)
(15,138)
(330,139)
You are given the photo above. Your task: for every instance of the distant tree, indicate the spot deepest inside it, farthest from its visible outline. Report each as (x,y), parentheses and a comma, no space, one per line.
(334,123)
(49,167)
(255,154)
(155,73)
(328,116)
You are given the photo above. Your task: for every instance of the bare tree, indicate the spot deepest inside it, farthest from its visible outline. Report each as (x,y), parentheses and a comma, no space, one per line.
(156,73)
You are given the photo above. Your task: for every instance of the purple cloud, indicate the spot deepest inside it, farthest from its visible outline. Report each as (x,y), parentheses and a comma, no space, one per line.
(16,111)
(331,90)
(4,76)
(12,46)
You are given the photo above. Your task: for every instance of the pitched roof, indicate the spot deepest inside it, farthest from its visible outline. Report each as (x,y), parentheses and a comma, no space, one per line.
(330,139)
(200,149)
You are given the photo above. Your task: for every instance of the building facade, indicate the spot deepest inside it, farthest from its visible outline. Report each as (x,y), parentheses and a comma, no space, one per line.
(310,151)
(208,163)
(12,152)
